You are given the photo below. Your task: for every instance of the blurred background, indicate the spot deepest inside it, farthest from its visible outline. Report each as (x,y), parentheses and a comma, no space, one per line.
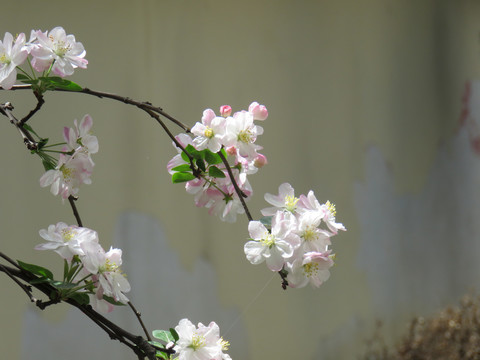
(374,105)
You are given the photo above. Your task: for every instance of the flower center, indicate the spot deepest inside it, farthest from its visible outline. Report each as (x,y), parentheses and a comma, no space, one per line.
(246,136)
(310,269)
(225,344)
(309,234)
(68,234)
(4,59)
(268,240)
(109,266)
(198,341)
(60,47)
(67,172)
(208,132)
(291,203)
(331,208)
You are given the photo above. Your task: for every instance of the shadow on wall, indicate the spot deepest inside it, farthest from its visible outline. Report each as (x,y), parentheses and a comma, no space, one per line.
(162,291)
(421,250)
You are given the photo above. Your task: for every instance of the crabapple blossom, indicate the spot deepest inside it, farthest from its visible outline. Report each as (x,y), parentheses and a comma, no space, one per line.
(274,247)
(313,267)
(284,201)
(210,132)
(12,54)
(200,343)
(66,240)
(69,174)
(105,268)
(80,136)
(59,49)
(242,133)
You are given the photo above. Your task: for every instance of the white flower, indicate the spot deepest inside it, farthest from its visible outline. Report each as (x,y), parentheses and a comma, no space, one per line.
(284,201)
(60,48)
(70,173)
(202,343)
(106,268)
(210,132)
(242,134)
(329,218)
(65,239)
(313,268)
(12,54)
(80,136)
(275,247)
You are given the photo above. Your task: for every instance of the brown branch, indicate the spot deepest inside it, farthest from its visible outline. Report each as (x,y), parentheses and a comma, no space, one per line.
(241,195)
(139,317)
(71,200)
(6,109)
(138,344)
(40,102)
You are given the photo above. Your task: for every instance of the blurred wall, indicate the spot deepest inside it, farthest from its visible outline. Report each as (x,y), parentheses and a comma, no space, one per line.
(364,100)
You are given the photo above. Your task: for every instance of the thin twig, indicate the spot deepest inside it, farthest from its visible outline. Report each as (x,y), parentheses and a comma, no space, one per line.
(241,195)
(27,289)
(71,200)
(6,109)
(40,102)
(139,317)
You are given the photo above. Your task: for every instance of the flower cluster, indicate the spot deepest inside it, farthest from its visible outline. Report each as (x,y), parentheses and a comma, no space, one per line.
(92,270)
(200,343)
(75,165)
(50,52)
(294,237)
(232,136)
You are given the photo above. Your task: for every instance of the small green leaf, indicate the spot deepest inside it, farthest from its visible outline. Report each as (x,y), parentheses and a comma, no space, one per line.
(22,77)
(35,269)
(163,335)
(180,177)
(201,164)
(39,281)
(80,297)
(215,172)
(212,158)
(58,82)
(112,301)
(61,285)
(174,334)
(183,167)
(194,152)
(267,221)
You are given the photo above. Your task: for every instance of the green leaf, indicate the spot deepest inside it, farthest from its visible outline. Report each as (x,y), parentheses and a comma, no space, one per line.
(58,82)
(201,164)
(63,285)
(215,172)
(212,158)
(180,177)
(39,281)
(22,77)
(80,297)
(267,221)
(194,152)
(174,334)
(35,269)
(164,335)
(112,301)
(183,168)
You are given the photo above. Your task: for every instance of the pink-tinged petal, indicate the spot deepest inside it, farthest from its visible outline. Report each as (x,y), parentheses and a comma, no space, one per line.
(254,251)
(259,111)
(85,125)
(257,230)
(275,262)
(208,116)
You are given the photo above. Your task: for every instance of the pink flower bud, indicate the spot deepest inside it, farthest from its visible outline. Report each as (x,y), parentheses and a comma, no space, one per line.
(225,110)
(232,150)
(260,161)
(259,111)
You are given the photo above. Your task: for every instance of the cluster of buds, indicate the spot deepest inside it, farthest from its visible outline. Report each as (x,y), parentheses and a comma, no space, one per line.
(47,52)
(294,237)
(232,136)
